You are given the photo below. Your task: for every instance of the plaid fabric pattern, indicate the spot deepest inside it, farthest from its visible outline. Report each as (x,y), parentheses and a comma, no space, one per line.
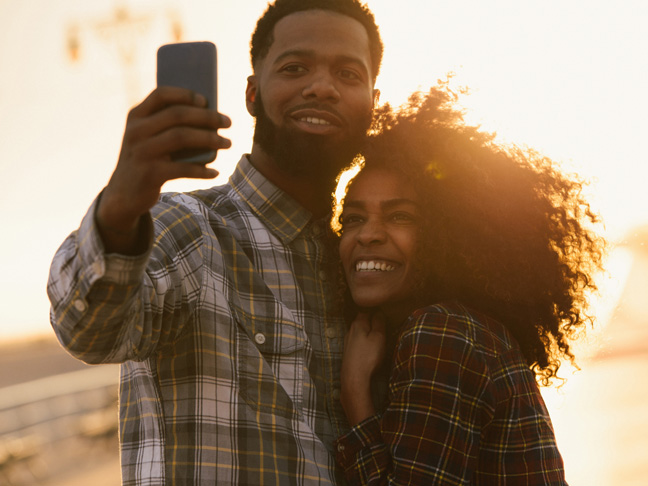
(464,408)
(228,333)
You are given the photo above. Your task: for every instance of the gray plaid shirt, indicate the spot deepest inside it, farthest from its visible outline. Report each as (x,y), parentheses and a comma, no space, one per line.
(228,332)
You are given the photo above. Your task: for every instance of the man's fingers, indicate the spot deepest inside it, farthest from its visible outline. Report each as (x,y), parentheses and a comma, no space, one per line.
(180,138)
(171,120)
(165,96)
(176,116)
(177,170)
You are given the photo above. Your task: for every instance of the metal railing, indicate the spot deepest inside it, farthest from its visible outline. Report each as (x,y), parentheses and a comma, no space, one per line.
(37,417)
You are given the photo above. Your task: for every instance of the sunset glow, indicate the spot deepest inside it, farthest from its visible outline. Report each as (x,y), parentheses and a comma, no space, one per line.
(567,78)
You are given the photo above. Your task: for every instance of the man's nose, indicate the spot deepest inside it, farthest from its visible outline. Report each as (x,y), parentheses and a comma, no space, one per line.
(322,85)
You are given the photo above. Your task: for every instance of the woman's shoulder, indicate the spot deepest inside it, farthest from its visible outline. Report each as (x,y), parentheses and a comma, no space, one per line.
(454,320)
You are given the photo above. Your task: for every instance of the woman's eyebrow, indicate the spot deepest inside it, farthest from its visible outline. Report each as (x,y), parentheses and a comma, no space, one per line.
(390,203)
(353,203)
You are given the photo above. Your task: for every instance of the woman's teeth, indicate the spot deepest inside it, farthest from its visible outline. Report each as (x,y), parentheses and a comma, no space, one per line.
(373,266)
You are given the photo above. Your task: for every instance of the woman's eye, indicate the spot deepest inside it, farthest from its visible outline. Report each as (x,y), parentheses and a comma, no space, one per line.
(347,220)
(403,218)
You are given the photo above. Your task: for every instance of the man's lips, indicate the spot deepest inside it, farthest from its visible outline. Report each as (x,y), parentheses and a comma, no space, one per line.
(317,117)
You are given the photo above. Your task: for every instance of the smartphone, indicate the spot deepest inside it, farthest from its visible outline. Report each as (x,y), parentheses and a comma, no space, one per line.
(190,65)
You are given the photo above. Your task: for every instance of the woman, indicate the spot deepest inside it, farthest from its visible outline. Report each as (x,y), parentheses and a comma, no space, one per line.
(469,264)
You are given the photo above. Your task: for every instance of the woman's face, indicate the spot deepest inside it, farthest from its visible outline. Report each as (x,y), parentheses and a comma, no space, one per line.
(381,220)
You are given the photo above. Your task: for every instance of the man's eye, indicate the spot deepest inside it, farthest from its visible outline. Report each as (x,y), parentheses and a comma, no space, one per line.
(293,69)
(349,74)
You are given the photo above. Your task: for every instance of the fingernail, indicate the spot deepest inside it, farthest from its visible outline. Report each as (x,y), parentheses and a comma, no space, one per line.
(200,100)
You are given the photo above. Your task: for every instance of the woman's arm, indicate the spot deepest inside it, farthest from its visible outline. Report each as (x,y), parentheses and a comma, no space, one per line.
(430,431)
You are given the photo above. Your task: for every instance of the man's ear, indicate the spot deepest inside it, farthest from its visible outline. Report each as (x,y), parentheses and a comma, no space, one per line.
(251,94)
(376,97)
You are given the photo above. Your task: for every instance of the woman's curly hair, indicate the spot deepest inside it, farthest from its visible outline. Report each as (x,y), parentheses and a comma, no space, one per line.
(506,232)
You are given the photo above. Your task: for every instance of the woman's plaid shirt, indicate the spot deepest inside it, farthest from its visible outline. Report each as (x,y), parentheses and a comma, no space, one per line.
(228,333)
(464,409)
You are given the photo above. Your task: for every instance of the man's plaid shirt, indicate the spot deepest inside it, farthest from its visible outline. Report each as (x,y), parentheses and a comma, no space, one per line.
(464,409)
(228,332)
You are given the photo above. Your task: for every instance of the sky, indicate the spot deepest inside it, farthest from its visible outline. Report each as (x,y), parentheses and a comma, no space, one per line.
(567,78)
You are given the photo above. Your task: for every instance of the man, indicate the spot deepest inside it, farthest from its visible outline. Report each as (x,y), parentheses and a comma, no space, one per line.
(221,303)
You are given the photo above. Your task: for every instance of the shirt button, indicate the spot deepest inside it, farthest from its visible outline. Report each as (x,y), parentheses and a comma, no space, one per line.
(259,338)
(336,394)
(322,275)
(340,447)
(80,305)
(331,332)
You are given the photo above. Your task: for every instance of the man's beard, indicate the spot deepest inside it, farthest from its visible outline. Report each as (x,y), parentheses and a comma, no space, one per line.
(317,157)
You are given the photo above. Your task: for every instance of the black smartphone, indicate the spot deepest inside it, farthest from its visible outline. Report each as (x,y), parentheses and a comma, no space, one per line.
(190,65)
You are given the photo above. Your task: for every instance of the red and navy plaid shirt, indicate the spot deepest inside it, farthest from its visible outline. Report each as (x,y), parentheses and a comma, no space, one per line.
(464,408)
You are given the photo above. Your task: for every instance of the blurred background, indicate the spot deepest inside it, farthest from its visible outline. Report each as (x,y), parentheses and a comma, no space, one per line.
(566,78)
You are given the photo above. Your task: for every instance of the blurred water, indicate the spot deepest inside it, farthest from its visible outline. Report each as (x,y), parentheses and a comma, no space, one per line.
(600,414)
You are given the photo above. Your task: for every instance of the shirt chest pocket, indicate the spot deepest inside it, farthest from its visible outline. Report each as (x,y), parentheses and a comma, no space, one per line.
(270,359)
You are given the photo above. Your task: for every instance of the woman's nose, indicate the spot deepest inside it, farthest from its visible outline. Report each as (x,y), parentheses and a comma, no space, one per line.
(372,232)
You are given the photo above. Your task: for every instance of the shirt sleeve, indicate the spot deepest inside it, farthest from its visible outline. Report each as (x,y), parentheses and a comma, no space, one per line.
(430,432)
(107,308)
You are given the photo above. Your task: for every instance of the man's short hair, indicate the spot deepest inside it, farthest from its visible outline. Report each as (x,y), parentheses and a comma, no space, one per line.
(263,36)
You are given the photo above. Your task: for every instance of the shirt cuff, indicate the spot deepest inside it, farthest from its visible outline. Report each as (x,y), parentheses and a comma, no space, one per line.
(111,267)
(359,437)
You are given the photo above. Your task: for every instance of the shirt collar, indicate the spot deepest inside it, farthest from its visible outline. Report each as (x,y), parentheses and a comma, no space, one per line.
(284,216)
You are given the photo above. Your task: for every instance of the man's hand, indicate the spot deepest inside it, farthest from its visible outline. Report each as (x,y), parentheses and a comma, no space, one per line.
(364,350)
(168,120)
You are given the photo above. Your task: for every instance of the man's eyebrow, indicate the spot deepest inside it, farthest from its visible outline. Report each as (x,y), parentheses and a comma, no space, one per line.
(352,60)
(343,59)
(295,52)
